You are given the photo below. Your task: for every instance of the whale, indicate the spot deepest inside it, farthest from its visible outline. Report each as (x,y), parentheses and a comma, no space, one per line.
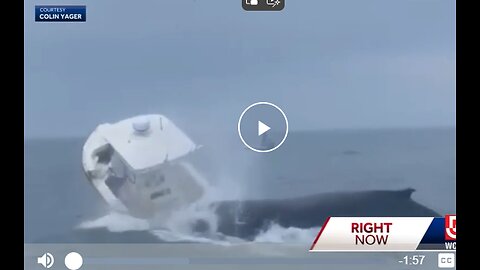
(246,219)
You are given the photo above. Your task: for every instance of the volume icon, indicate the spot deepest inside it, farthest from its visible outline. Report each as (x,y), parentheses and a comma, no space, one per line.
(46,260)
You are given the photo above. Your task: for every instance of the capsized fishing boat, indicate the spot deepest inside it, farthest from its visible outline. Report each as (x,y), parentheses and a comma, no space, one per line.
(139,165)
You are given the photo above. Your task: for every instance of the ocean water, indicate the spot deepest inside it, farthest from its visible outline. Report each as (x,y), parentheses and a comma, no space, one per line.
(62,207)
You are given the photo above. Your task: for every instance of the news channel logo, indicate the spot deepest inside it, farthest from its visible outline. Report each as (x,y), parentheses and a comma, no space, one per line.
(450,228)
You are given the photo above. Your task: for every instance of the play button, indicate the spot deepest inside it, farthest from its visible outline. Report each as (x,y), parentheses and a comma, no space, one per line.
(263,127)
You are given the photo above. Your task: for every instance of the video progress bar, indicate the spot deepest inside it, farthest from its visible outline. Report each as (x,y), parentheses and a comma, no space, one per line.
(189,261)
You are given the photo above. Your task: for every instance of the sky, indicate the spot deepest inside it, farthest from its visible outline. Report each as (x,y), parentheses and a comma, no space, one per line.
(328,64)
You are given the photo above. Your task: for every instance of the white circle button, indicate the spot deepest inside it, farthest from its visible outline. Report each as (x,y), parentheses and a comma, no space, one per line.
(73,261)
(263,127)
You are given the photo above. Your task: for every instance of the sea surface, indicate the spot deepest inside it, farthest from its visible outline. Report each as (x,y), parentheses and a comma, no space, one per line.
(62,207)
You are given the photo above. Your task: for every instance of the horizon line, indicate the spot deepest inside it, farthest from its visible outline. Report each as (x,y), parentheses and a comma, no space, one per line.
(54,136)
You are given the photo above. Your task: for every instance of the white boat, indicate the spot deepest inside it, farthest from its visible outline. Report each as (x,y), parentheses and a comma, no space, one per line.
(139,165)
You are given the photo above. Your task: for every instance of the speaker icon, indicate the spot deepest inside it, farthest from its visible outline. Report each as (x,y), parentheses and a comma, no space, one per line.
(46,260)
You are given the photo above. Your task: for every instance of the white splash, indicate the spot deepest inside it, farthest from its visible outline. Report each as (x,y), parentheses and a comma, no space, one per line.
(279,234)
(116,222)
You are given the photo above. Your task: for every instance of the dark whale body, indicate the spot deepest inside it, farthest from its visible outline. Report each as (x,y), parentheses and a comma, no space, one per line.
(245,219)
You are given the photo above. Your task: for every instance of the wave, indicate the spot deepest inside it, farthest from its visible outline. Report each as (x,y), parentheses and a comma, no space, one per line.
(278,234)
